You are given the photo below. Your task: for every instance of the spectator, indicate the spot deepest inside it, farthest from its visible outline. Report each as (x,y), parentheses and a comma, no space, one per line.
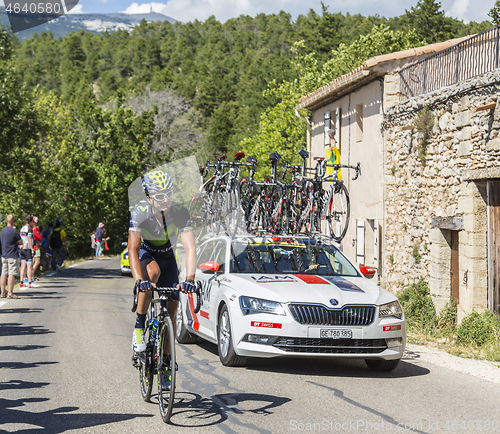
(105,240)
(56,241)
(37,240)
(99,235)
(26,252)
(10,239)
(46,252)
(93,244)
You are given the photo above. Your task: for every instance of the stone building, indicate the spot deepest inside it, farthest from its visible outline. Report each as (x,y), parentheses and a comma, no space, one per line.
(426,204)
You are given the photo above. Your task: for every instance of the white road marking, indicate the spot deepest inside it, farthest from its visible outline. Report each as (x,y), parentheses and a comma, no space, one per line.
(2,303)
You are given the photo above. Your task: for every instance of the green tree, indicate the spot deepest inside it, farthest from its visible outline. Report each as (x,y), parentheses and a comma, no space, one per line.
(279,129)
(494,13)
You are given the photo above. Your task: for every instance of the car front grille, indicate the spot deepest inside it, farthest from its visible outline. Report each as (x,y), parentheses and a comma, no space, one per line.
(317,314)
(331,346)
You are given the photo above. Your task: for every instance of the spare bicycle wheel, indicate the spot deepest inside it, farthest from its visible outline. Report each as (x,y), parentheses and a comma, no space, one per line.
(232,205)
(338,212)
(166,370)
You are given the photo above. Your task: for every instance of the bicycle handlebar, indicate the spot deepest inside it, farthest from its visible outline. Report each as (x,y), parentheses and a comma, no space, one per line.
(357,168)
(167,292)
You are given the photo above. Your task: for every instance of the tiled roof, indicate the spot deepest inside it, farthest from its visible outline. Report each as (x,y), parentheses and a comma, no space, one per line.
(361,73)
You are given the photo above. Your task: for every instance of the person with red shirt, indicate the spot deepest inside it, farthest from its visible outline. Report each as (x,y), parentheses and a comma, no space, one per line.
(37,240)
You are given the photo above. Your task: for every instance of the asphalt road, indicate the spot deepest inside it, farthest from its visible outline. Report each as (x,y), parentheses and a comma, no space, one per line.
(65,367)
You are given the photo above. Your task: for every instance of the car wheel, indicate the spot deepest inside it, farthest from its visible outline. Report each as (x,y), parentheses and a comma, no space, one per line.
(382,365)
(227,355)
(181,334)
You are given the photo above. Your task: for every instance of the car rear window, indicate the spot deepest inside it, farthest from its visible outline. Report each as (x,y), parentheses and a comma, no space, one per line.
(299,257)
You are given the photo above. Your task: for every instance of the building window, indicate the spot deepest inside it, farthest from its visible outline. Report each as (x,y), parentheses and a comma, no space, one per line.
(359,122)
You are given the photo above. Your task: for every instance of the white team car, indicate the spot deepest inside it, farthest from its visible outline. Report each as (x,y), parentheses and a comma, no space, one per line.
(290,296)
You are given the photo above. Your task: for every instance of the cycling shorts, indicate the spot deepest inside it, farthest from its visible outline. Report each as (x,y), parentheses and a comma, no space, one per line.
(168,267)
(26,255)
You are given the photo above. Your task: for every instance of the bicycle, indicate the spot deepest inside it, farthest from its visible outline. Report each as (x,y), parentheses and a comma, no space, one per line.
(159,358)
(218,204)
(205,206)
(332,205)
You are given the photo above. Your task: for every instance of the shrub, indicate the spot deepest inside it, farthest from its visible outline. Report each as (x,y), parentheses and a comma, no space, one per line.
(418,306)
(447,319)
(478,328)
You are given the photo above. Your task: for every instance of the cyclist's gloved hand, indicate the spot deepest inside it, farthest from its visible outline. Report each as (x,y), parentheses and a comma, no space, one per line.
(187,287)
(145,285)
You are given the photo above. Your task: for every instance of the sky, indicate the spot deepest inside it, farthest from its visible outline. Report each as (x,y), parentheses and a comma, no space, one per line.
(189,10)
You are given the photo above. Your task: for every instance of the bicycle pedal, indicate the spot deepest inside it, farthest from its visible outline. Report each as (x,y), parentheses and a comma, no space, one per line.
(135,362)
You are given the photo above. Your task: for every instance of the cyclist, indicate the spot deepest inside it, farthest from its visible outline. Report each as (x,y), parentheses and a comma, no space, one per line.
(154,228)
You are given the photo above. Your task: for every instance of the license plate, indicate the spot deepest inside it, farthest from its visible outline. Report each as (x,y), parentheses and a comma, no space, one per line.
(336,334)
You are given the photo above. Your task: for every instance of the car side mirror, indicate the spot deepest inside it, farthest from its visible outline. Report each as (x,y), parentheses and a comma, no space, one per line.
(209,267)
(368,272)
(124,244)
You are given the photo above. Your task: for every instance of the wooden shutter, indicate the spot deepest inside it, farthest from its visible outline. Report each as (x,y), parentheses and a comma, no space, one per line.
(360,241)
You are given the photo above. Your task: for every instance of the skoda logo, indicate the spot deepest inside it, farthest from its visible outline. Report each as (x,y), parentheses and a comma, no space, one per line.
(334,302)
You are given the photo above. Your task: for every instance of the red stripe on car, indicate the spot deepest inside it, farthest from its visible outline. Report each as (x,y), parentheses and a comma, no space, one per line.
(312,279)
(196,323)
(204,314)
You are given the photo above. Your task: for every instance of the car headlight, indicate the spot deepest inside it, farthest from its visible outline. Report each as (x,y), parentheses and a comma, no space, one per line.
(250,305)
(391,309)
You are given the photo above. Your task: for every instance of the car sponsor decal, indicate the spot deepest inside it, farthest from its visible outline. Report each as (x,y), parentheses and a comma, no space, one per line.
(312,279)
(273,279)
(267,325)
(344,284)
(392,328)
(204,314)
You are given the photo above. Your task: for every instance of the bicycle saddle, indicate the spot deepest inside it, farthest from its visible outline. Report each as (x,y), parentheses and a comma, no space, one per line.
(319,158)
(252,160)
(221,157)
(303,153)
(238,156)
(275,157)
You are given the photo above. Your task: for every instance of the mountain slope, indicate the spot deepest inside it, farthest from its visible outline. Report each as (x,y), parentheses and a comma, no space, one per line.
(95,23)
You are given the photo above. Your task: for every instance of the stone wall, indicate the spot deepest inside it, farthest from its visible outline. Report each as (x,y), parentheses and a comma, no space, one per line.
(448,183)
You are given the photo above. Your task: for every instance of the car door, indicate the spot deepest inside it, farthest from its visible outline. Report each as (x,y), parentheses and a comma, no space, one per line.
(207,278)
(215,287)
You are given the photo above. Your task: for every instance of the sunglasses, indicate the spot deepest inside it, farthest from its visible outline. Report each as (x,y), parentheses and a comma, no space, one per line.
(161,197)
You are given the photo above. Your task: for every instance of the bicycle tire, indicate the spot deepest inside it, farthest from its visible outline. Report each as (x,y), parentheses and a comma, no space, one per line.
(166,397)
(338,212)
(232,210)
(217,211)
(146,371)
(198,214)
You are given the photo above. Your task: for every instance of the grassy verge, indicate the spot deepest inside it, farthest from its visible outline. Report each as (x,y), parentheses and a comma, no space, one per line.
(477,336)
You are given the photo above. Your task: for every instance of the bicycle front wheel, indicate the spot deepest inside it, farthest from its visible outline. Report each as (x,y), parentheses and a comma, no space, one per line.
(166,370)
(146,370)
(338,212)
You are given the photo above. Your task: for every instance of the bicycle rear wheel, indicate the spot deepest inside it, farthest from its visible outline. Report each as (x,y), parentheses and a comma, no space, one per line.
(338,212)
(166,370)
(146,370)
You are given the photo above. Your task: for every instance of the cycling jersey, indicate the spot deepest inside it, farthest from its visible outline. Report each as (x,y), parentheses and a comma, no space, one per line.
(26,233)
(154,238)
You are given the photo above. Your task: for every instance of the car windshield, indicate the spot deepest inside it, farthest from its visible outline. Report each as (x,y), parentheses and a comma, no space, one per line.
(285,256)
